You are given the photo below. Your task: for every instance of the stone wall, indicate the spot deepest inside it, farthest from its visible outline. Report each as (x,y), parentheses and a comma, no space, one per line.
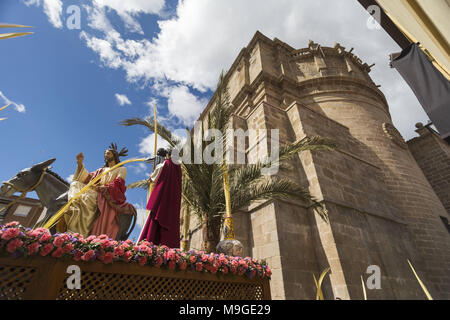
(382,210)
(432,154)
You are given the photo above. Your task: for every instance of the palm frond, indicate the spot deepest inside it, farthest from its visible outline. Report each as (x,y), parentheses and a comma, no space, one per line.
(148,122)
(276,188)
(13,35)
(144,184)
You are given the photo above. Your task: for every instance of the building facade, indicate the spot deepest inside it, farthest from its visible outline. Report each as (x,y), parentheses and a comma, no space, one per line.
(382,209)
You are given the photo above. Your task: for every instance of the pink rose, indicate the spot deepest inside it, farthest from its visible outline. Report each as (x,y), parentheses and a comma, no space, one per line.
(13,245)
(58,252)
(103,236)
(10,233)
(172,254)
(68,247)
(12,224)
(172,264)
(182,265)
(33,248)
(58,242)
(158,262)
(108,258)
(204,258)
(91,238)
(32,233)
(213,269)
(128,255)
(77,255)
(225,270)
(268,271)
(192,259)
(199,266)
(105,243)
(142,248)
(118,251)
(45,237)
(45,250)
(88,255)
(233,269)
(142,260)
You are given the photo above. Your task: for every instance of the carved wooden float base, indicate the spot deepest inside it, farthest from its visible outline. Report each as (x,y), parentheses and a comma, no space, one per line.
(46,278)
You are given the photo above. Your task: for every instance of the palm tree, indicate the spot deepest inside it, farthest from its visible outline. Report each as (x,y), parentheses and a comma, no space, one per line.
(202,186)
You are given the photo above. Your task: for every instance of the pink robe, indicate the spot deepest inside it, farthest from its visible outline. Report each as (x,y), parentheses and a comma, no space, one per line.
(111,202)
(163,223)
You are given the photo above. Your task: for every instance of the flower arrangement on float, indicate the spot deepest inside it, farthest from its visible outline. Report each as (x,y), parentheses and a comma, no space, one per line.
(19,241)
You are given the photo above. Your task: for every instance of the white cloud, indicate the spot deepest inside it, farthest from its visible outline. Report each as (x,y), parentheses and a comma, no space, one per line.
(122,99)
(18,106)
(70,178)
(184,104)
(205,36)
(110,57)
(140,168)
(52,8)
(141,215)
(96,17)
(147,145)
(32,2)
(129,10)
(132,6)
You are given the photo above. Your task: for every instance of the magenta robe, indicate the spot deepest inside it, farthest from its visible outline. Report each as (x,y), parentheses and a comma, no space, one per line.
(163,223)
(111,202)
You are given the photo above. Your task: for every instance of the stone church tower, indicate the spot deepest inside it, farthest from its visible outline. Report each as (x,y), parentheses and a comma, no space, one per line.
(382,209)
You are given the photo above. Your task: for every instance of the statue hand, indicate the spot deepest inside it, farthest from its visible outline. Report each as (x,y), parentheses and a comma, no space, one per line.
(99,188)
(80,158)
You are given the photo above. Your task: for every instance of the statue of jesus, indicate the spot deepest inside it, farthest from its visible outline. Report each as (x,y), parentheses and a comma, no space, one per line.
(97,210)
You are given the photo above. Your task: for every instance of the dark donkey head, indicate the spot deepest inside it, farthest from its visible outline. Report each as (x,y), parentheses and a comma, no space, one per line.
(50,187)
(25,180)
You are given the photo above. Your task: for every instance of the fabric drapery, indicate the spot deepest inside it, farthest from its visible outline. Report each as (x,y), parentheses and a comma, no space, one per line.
(163,223)
(96,213)
(431,88)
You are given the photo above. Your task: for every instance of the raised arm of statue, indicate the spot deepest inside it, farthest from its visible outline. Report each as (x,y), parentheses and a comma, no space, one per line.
(80,173)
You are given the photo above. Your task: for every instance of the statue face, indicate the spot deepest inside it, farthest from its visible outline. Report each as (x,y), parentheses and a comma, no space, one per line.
(109,156)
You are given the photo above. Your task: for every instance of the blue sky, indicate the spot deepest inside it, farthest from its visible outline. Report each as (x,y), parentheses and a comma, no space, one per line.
(65,83)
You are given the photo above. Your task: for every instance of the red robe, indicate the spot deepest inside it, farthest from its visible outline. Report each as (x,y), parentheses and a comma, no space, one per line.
(163,223)
(111,202)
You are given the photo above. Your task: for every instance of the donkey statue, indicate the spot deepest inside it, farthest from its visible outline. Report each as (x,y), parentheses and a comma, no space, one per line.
(52,191)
